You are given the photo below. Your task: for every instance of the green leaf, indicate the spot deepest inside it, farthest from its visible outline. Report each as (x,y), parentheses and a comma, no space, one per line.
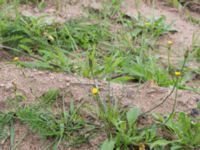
(12,134)
(132,115)
(123,79)
(198,106)
(49,97)
(176,147)
(108,145)
(158,117)
(184,123)
(136,32)
(159,143)
(20,98)
(196,136)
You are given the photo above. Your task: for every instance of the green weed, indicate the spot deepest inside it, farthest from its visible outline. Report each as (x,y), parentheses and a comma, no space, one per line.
(123,131)
(57,45)
(184,131)
(154,27)
(48,98)
(5,119)
(193,19)
(144,71)
(67,124)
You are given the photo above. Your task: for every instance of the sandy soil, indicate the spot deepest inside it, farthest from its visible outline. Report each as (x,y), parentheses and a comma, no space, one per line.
(33,83)
(182,39)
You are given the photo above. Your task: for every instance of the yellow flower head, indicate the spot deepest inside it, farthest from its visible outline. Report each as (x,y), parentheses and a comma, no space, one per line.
(141,146)
(147,24)
(50,38)
(94,91)
(177,73)
(16,59)
(169,42)
(45,33)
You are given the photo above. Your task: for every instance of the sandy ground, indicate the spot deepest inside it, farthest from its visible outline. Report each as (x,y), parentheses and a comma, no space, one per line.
(33,83)
(182,39)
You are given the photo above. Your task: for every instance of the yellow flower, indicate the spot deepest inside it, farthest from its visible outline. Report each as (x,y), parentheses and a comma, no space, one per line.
(94,91)
(16,59)
(141,146)
(169,42)
(45,33)
(177,73)
(50,38)
(147,24)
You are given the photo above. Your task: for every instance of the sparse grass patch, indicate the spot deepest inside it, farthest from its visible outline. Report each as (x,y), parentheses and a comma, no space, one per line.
(66,124)
(194,20)
(122,126)
(107,45)
(123,130)
(54,43)
(184,131)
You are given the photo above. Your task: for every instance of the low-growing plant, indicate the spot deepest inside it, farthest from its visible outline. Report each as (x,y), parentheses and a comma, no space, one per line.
(43,123)
(63,46)
(194,20)
(48,98)
(5,120)
(122,127)
(153,26)
(66,124)
(184,131)
(175,3)
(197,49)
(34,34)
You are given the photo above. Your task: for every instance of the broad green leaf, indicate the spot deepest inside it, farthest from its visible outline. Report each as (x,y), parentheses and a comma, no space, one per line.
(184,123)
(176,147)
(159,143)
(132,115)
(136,32)
(158,117)
(108,145)
(196,135)
(123,79)
(198,106)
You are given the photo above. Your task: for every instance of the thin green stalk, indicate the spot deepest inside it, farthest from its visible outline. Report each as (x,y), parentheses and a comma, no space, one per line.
(168,59)
(20,140)
(12,135)
(176,86)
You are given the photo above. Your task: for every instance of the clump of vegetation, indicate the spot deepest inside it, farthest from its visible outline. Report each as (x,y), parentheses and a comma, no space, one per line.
(191,4)
(122,126)
(34,35)
(90,48)
(55,42)
(68,125)
(184,131)
(124,132)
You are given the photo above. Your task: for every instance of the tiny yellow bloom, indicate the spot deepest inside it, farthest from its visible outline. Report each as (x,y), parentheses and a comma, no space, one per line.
(169,42)
(147,24)
(16,59)
(177,73)
(50,38)
(94,91)
(141,146)
(45,33)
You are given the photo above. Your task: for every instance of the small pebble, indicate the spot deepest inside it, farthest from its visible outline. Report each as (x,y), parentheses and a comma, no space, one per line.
(194,112)
(197,100)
